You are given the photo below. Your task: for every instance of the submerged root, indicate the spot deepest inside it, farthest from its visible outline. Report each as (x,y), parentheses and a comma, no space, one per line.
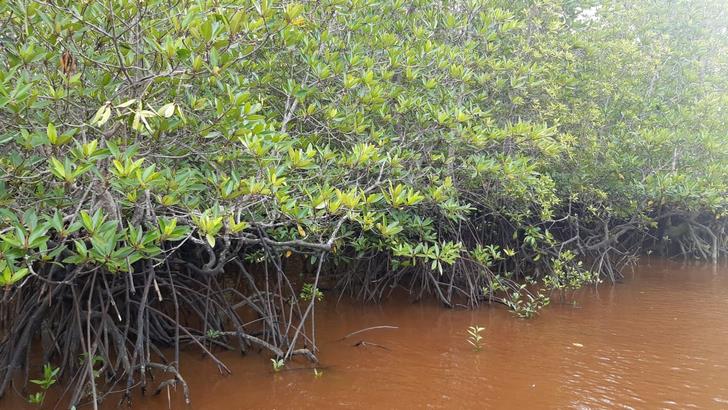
(107,330)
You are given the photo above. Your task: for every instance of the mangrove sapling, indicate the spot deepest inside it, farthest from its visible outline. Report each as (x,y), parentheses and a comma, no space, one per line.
(50,375)
(308,292)
(529,306)
(567,276)
(475,338)
(278,364)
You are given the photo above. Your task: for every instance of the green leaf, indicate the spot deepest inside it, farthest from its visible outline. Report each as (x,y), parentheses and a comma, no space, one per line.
(52,134)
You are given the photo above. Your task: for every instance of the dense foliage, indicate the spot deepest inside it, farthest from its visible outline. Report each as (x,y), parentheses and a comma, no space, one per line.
(167,165)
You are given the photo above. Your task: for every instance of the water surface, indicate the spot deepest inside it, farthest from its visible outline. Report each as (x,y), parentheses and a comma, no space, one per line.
(657,340)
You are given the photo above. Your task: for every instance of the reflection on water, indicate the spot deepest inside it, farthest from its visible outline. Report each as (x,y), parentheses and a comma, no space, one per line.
(658,340)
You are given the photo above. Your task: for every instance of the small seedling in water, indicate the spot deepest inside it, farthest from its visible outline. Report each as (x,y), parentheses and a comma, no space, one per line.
(213,334)
(278,364)
(96,360)
(48,380)
(309,292)
(475,338)
(318,373)
(36,399)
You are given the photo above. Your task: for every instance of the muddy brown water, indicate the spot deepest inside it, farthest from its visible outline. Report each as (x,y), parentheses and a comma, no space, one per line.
(657,340)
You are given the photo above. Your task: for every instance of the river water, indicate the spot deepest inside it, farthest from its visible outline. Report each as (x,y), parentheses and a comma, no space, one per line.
(657,340)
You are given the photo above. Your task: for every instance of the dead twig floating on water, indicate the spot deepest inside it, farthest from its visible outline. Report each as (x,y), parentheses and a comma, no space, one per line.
(367,329)
(363,343)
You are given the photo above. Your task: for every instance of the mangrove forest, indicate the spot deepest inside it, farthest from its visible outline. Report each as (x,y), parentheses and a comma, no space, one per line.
(202,175)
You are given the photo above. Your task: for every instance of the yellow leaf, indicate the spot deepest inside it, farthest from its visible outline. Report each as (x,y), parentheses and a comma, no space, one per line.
(127,103)
(136,123)
(167,110)
(102,115)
